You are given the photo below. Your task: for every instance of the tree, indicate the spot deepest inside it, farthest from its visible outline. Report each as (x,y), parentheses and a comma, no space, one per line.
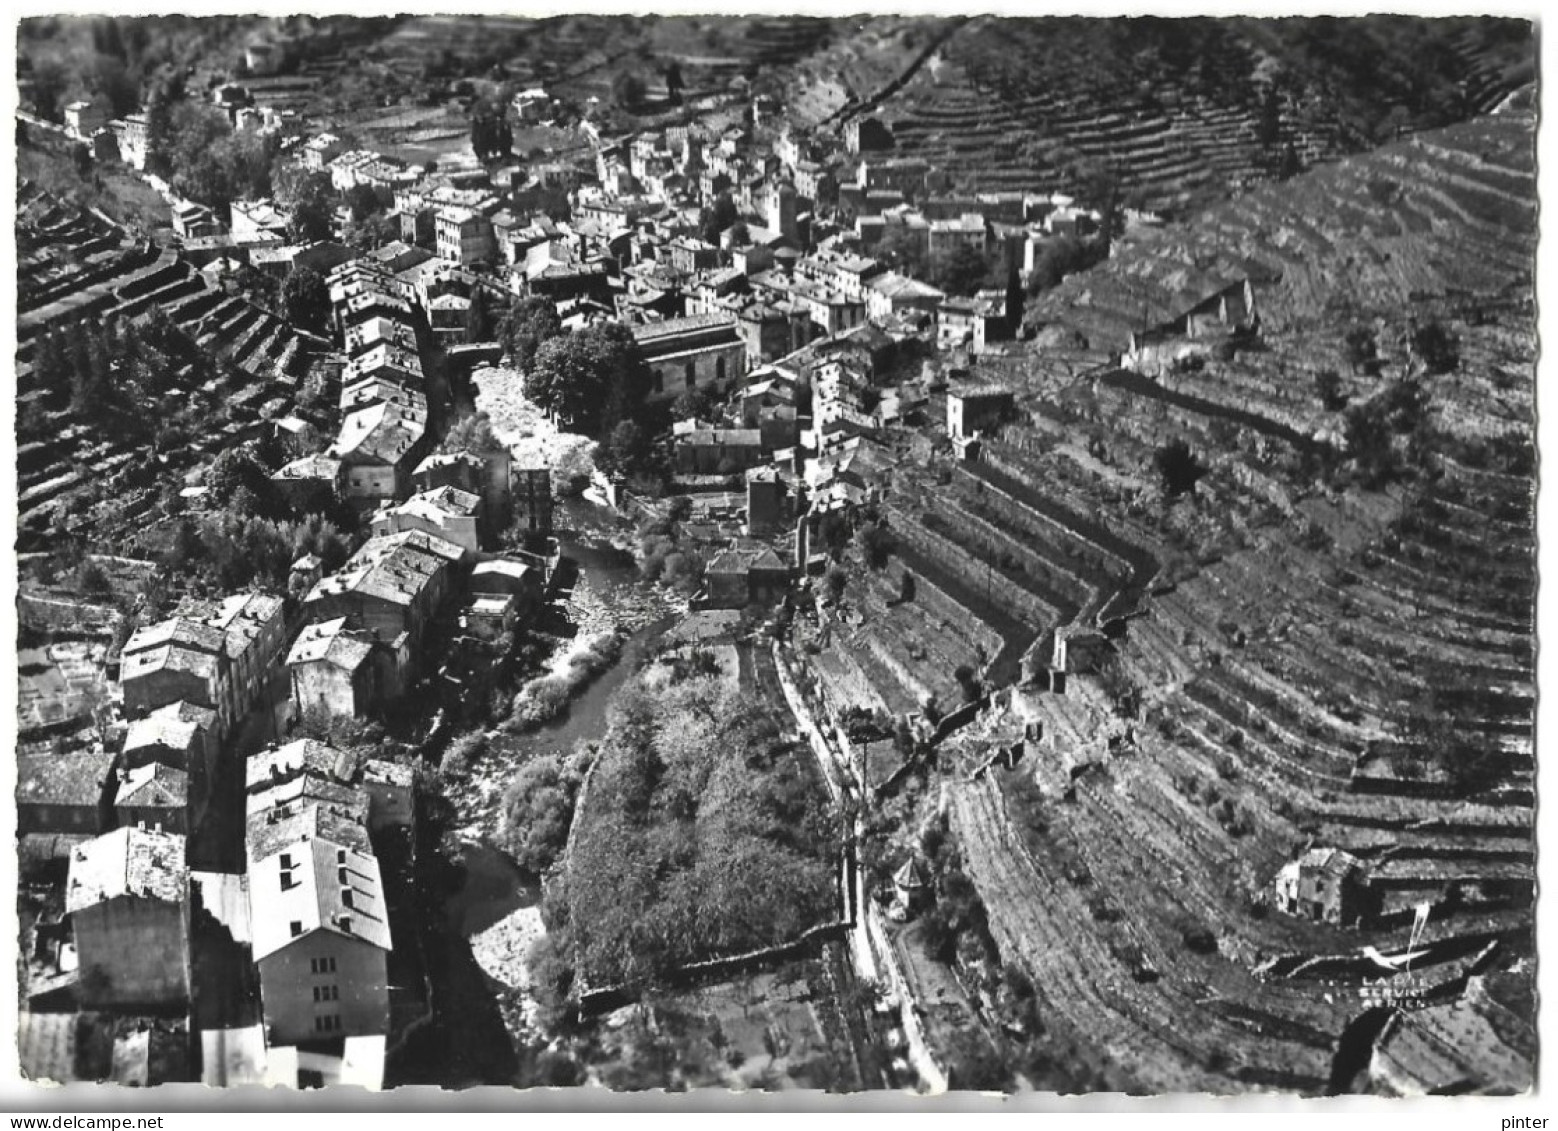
(305,298)
(1178,466)
(312,220)
(906,587)
(537,811)
(876,544)
(363,202)
(625,451)
(478,322)
(719,216)
(628,90)
(837,580)
(1438,348)
(1368,436)
(492,137)
(901,249)
(673,83)
(1359,342)
(962,271)
(590,379)
(472,434)
(1269,127)
(1328,385)
(525,326)
(234,470)
(1290,165)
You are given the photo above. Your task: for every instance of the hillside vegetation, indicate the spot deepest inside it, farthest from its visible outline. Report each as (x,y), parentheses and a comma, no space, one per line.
(1327,638)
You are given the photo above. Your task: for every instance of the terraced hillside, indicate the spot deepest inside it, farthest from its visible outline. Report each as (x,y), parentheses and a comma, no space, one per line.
(1311,655)
(219,363)
(1181,111)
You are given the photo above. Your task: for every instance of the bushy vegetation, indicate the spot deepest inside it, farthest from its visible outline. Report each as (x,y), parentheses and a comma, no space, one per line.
(546,697)
(538,807)
(701,837)
(590,379)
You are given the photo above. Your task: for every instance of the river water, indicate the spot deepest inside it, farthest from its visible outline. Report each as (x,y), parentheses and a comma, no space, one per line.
(607,594)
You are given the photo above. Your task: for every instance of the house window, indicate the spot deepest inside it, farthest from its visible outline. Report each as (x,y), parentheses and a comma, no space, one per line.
(327,1023)
(322,965)
(297,927)
(327,993)
(719,370)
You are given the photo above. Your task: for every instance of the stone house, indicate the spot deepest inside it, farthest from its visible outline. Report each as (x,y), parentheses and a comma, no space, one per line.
(977,409)
(1324,884)
(447,512)
(378,446)
(321,942)
(393,585)
(154,797)
(127,898)
(176,735)
(338,670)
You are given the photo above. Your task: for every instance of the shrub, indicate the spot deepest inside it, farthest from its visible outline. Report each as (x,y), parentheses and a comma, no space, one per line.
(876,545)
(537,811)
(1178,467)
(91,578)
(540,701)
(462,752)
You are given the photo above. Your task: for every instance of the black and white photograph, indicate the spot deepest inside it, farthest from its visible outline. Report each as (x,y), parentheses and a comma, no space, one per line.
(824,554)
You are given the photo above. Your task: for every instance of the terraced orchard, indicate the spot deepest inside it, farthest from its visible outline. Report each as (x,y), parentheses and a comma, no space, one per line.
(213,368)
(1327,643)
(1180,111)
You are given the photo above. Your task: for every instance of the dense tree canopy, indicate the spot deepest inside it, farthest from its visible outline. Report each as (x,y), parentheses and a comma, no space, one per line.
(208,162)
(526,324)
(473,434)
(306,298)
(719,216)
(590,379)
(491,135)
(1178,466)
(964,270)
(702,836)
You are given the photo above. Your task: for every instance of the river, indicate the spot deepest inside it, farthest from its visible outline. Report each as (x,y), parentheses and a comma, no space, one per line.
(606,594)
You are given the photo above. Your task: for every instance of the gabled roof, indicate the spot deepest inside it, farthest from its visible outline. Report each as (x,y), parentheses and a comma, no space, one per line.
(331,642)
(316,885)
(72,778)
(273,830)
(441,502)
(131,862)
(169,658)
(309,788)
(184,631)
(277,764)
(154,785)
(394,567)
(381,432)
(174,726)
